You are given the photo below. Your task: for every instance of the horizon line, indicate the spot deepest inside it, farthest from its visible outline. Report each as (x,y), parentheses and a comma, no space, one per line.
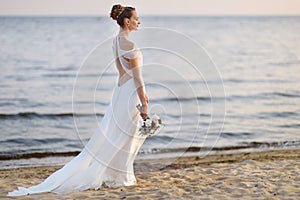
(158,15)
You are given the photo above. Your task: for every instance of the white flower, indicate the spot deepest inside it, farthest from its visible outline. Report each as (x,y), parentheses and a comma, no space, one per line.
(148,122)
(150,126)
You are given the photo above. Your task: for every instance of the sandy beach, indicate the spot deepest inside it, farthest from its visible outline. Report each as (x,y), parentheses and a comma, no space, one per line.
(259,175)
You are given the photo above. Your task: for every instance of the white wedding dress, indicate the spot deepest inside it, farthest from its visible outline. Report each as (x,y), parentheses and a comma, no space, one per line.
(107,159)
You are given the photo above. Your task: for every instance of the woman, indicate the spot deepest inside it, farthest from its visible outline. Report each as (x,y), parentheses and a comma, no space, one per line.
(107,159)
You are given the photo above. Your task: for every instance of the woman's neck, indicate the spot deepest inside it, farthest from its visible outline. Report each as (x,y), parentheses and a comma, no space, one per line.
(124,33)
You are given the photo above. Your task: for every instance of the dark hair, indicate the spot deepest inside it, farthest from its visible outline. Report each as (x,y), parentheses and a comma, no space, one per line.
(119,13)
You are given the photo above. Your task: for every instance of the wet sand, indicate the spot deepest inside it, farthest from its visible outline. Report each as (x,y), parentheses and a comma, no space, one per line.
(259,175)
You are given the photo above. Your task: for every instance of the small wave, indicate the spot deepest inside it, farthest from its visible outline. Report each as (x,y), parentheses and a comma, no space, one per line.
(268,95)
(59,75)
(231,134)
(62,68)
(233,80)
(247,97)
(164,138)
(182,99)
(37,155)
(45,115)
(30,142)
(286,94)
(286,63)
(196,149)
(273,144)
(264,115)
(289,126)
(250,145)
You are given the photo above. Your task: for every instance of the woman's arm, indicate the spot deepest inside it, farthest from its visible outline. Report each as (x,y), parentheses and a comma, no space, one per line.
(140,86)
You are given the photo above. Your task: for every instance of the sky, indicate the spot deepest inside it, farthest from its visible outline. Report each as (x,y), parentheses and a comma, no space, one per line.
(152,7)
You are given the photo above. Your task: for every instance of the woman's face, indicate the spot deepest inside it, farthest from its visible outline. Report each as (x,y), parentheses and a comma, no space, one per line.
(134,21)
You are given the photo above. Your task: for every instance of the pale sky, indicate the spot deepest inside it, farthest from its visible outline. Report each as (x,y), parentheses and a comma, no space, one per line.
(151,7)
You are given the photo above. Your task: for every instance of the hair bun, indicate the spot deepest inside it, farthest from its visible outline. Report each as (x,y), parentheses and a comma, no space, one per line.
(116,11)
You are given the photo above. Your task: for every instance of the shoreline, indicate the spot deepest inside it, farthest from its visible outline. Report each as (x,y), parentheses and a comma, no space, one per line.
(268,174)
(39,159)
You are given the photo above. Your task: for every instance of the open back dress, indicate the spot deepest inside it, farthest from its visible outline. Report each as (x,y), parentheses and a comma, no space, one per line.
(107,158)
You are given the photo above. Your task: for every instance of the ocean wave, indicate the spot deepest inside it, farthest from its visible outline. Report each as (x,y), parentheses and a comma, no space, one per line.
(265,95)
(266,115)
(242,146)
(44,115)
(289,126)
(245,145)
(183,99)
(283,94)
(37,155)
(238,134)
(31,141)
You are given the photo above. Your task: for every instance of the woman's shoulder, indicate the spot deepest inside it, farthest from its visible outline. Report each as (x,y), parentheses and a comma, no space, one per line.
(126,44)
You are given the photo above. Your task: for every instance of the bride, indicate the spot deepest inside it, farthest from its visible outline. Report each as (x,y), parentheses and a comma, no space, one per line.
(107,159)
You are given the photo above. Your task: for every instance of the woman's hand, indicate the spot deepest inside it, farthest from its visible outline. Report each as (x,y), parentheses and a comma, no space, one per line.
(144,114)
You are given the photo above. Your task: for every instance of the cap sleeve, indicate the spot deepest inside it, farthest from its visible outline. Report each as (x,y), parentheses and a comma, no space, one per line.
(132,53)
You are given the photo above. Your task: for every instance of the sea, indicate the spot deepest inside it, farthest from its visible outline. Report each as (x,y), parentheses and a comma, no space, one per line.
(221,84)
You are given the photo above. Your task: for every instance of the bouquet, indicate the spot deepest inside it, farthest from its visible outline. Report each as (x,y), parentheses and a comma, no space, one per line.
(150,125)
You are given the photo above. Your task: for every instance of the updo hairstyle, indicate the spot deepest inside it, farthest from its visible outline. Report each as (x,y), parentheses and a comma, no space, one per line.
(119,13)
